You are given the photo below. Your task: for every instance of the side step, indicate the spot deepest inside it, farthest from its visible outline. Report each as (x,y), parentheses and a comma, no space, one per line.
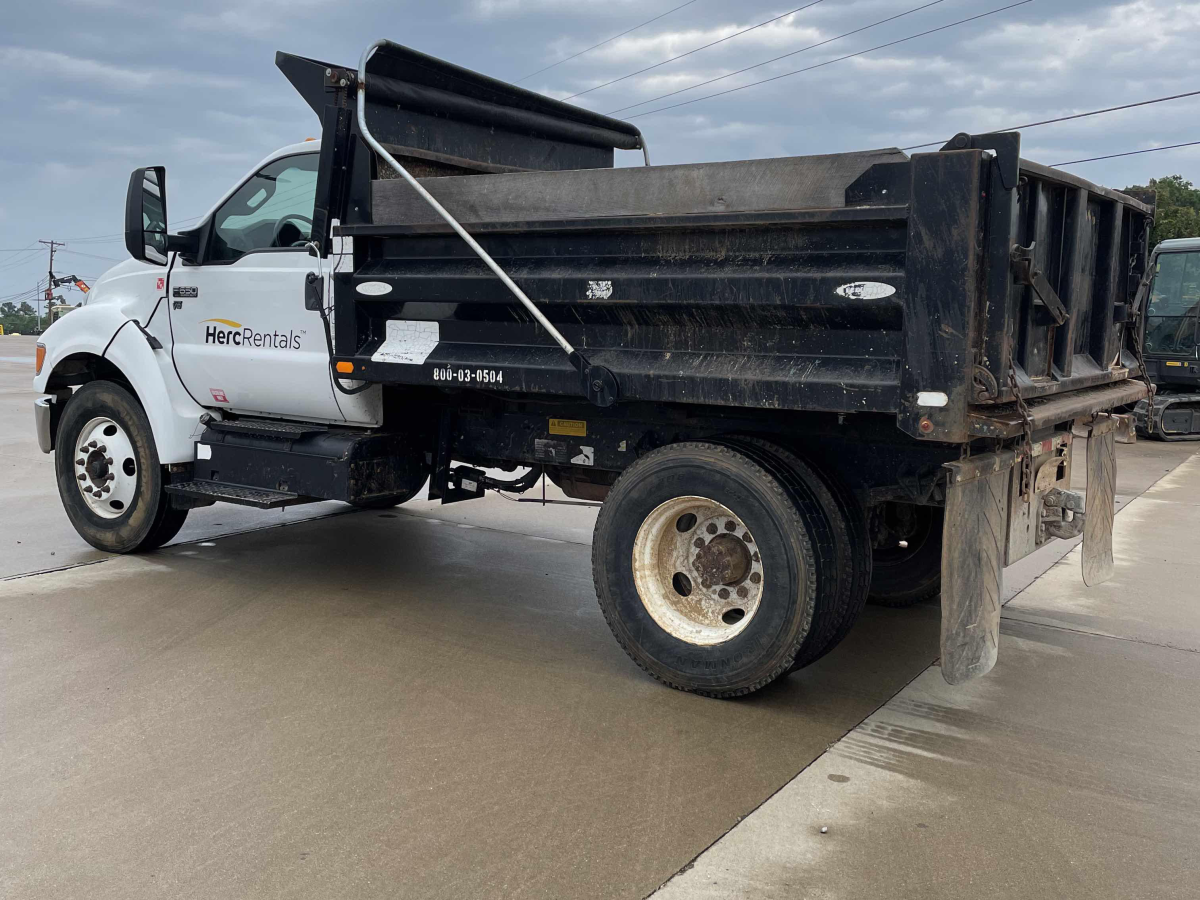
(262,498)
(287,431)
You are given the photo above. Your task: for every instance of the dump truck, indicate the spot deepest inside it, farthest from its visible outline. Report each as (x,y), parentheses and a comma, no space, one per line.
(790,384)
(1172,358)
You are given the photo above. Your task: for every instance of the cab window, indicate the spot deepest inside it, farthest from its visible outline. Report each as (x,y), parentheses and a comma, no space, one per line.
(273,209)
(1174,303)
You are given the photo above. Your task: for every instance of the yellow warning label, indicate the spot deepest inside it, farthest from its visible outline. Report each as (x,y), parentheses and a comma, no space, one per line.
(1170,362)
(573,427)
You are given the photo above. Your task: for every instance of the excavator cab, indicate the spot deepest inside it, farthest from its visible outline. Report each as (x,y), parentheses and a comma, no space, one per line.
(1170,346)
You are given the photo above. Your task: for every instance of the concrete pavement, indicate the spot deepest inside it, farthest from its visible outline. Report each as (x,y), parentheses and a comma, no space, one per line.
(1072,770)
(377,707)
(426,702)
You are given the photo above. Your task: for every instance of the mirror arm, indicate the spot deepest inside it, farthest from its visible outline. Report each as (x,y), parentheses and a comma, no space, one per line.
(186,245)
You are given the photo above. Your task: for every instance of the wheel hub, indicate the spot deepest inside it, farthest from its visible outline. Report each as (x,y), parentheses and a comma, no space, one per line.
(106,468)
(697,570)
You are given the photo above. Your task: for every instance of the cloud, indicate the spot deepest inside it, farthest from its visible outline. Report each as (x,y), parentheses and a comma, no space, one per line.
(97,87)
(57,65)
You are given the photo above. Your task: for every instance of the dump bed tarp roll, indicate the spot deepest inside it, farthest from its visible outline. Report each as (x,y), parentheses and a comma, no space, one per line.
(406,95)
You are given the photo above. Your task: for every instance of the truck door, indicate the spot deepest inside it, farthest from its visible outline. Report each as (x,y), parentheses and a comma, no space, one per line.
(243,340)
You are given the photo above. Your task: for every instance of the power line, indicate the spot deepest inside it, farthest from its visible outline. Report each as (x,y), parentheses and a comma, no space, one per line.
(1076,162)
(1084,115)
(838,59)
(606,41)
(775,59)
(697,49)
(91,256)
(120,235)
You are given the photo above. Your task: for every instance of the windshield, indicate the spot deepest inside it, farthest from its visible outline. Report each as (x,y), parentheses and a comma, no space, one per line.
(1174,301)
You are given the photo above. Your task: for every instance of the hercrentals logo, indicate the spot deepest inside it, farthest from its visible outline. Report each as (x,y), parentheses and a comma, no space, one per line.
(244,336)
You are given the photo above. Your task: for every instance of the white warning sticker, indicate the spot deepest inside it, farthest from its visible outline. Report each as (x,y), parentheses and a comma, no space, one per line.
(865,290)
(407,342)
(599,290)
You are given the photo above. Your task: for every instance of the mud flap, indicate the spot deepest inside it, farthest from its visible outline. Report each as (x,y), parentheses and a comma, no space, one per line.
(1101,501)
(972,563)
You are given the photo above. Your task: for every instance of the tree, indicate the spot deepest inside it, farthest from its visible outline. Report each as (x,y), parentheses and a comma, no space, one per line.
(1178,208)
(22,319)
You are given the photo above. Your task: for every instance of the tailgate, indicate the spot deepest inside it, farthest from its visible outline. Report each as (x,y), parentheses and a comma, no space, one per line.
(1065,260)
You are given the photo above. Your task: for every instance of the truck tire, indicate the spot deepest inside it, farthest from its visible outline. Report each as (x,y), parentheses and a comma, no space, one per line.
(705,570)
(109,477)
(904,576)
(842,549)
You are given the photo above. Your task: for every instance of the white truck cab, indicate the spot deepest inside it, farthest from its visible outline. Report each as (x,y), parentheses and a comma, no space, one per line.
(218,326)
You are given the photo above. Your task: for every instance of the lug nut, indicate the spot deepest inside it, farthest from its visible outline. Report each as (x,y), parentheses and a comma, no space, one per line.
(108,460)
(102,449)
(110,477)
(81,476)
(79,462)
(92,444)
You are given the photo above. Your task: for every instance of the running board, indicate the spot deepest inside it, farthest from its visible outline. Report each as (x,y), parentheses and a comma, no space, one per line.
(286,431)
(260,498)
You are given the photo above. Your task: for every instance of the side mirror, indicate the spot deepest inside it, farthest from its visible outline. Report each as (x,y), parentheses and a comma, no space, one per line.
(146,215)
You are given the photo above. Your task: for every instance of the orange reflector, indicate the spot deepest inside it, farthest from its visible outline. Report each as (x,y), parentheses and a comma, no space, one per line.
(345,367)
(39,358)
(306,140)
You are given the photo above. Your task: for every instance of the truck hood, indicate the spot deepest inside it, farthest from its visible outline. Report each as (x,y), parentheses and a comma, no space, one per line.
(107,287)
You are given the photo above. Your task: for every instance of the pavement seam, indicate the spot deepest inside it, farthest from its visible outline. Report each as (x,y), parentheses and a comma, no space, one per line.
(215,537)
(692,862)
(740,819)
(66,568)
(1099,634)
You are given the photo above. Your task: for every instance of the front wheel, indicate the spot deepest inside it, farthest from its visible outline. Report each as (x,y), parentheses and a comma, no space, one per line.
(705,570)
(109,477)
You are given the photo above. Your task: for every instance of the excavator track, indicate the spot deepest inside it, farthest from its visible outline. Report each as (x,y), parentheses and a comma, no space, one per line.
(1176,417)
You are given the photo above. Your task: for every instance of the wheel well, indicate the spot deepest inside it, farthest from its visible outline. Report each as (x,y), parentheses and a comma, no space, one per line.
(78,369)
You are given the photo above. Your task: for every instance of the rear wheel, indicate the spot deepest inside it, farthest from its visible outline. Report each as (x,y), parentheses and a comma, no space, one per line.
(841,543)
(907,557)
(109,478)
(705,570)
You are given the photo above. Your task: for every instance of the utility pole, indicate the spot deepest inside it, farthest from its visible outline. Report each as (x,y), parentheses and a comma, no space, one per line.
(50,281)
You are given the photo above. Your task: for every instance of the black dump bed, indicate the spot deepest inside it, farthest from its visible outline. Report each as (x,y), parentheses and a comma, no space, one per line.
(919,286)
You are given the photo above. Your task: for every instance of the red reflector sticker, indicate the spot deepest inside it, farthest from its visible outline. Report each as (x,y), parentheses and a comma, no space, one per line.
(218,395)
(162,283)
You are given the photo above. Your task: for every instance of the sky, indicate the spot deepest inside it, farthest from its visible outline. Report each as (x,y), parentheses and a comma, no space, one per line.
(95,88)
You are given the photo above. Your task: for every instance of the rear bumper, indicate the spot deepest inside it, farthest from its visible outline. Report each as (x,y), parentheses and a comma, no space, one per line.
(1005,421)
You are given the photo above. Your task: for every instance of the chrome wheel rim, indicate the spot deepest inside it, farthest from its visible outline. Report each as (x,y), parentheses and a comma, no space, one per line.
(106,468)
(697,570)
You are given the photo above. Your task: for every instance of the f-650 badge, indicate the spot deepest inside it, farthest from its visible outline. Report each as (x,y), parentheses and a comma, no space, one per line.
(182,291)
(865,290)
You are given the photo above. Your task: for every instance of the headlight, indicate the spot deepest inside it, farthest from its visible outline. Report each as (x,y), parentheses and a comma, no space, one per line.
(39,358)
